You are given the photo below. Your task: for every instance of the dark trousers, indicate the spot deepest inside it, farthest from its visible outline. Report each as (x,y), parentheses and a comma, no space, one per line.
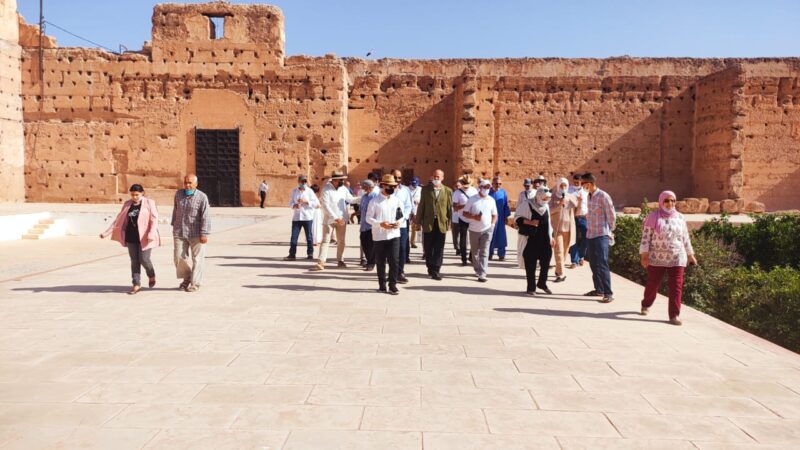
(675,283)
(578,251)
(454,232)
(534,252)
(434,250)
(463,236)
(263,196)
(387,251)
(306,226)
(139,258)
(368,247)
(598,261)
(403,250)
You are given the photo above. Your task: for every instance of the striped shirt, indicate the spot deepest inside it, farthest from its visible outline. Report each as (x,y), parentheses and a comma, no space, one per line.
(190,216)
(601,218)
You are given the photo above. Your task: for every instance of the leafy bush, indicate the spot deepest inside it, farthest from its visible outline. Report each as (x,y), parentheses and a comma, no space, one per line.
(757,290)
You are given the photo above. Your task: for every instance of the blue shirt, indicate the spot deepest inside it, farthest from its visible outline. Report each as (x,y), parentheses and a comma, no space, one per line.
(362,210)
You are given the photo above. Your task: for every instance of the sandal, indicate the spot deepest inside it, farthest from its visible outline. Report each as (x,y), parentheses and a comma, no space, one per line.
(135,290)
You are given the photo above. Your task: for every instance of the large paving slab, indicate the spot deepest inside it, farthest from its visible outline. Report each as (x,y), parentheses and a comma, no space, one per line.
(270,355)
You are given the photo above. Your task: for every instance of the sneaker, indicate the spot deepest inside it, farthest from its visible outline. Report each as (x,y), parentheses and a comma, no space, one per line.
(394,291)
(290,258)
(402,279)
(184,285)
(341,265)
(644,311)
(676,321)
(482,279)
(192,288)
(607,299)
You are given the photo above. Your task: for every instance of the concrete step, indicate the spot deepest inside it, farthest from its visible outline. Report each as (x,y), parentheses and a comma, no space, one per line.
(30,237)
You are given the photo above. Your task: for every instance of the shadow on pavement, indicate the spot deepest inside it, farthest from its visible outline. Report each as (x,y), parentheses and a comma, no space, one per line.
(90,289)
(559,313)
(305,288)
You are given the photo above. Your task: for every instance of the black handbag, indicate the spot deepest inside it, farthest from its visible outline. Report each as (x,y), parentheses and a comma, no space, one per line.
(525,229)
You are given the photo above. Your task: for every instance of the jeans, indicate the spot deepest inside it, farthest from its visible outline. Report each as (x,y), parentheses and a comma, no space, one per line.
(675,277)
(305,225)
(403,250)
(434,250)
(181,250)
(387,251)
(479,241)
(368,247)
(537,252)
(139,258)
(598,261)
(578,251)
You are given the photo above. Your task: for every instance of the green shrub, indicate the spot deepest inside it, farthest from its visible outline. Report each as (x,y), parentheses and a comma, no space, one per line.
(770,241)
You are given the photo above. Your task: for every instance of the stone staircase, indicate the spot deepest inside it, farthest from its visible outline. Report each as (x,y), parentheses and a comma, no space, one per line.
(46,228)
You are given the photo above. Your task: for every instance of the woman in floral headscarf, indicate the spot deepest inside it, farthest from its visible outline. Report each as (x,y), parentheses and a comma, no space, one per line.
(535,241)
(665,248)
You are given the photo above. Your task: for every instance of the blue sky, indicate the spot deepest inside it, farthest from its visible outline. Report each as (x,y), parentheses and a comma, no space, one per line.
(478,29)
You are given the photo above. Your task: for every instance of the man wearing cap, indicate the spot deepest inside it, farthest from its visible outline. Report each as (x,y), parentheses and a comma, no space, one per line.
(434,215)
(481,212)
(303,203)
(499,238)
(385,215)
(367,245)
(460,199)
(335,197)
(416,190)
(403,194)
(528,192)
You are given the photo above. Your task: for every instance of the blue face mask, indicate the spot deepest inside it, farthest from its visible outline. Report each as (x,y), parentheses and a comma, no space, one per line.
(188,191)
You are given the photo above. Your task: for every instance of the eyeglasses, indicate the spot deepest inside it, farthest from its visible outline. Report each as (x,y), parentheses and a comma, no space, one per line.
(670,200)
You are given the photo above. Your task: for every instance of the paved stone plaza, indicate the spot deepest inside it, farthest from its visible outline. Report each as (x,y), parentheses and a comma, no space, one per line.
(268,355)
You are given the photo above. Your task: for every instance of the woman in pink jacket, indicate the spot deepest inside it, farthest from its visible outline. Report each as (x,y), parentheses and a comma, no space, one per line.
(136,227)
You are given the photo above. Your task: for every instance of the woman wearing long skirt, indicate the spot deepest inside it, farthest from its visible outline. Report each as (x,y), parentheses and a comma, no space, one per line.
(535,240)
(136,227)
(665,248)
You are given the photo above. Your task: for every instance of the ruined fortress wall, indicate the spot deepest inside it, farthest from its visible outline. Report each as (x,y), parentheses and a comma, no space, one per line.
(12,150)
(112,120)
(716,163)
(768,130)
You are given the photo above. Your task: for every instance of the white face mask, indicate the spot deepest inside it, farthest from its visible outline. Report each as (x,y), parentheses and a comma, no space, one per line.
(437,183)
(485,191)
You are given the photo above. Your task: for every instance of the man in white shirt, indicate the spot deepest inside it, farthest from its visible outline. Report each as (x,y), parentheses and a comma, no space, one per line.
(303,202)
(403,194)
(334,218)
(460,198)
(262,191)
(385,214)
(481,212)
(578,251)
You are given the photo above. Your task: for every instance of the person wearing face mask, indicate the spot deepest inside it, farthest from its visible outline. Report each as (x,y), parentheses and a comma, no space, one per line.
(434,215)
(454,228)
(191,225)
(527,192)
(136,227)
(367,245)
(303,203)
(481,212)
(404,196)
(335,197)
(665,248)
(499,238)
(535,242)
(416,190)
(562,210)
(577,252)
(460,198)
(385,215)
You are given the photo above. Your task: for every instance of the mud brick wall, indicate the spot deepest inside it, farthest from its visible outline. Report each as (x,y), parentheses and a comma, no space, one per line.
(769,132)
(109,120)
(12,150)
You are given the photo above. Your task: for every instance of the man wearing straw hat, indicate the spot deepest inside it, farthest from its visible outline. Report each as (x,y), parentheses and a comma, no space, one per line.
(385,214)
(333,219)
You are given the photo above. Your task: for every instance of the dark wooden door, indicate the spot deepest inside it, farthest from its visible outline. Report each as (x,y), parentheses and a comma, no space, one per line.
(217,153)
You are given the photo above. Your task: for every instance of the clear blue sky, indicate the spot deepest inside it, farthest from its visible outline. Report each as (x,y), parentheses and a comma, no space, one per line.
(478,29)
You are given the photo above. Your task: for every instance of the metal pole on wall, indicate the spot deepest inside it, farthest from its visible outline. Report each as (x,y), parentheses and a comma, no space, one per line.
(41,55)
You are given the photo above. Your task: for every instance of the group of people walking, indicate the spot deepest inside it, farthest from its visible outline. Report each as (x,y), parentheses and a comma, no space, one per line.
(571,223)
